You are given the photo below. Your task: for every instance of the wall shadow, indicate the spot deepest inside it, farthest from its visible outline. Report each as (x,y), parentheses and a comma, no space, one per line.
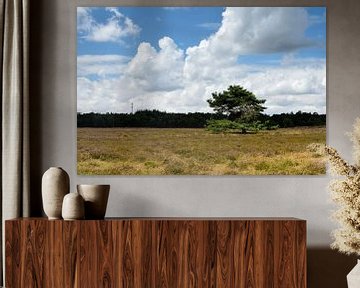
(328,268)
(35,104)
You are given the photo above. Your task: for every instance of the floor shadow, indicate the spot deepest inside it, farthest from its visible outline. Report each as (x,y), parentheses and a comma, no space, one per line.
(328,268)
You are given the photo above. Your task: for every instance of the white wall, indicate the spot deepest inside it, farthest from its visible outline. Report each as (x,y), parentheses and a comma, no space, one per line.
(53,92)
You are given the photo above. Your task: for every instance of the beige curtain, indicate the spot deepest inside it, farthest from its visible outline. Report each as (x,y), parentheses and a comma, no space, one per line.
(14,38)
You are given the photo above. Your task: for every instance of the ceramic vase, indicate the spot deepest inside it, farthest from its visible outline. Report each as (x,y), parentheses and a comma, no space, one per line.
(353,278)
(55,185)
(96,198)
(73,207)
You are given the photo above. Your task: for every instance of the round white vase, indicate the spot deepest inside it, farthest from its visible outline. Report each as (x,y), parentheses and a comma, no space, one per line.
(353,278)
(55,185)
(73,207)
(96,198)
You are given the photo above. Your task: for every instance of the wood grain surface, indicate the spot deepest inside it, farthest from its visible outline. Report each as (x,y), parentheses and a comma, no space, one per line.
(157,253)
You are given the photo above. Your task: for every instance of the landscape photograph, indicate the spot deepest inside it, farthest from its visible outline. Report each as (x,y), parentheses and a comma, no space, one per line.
(201,90)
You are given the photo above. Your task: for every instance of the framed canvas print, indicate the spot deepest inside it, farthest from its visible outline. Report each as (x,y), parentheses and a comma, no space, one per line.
(201,90)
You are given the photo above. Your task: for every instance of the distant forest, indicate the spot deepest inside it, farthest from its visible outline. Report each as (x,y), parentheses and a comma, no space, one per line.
(159,119)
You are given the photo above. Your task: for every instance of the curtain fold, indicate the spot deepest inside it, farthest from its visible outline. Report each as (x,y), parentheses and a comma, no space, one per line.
(15,174)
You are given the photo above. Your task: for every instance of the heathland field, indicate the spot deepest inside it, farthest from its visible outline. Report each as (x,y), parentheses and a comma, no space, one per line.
(153,151)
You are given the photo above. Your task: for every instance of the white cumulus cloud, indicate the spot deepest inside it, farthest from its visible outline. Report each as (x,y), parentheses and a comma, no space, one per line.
(291,87)
(247,31)
(154,70)
(115,29)
(101,65)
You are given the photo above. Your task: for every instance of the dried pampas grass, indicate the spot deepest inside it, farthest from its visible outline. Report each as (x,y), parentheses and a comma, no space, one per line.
(345,191)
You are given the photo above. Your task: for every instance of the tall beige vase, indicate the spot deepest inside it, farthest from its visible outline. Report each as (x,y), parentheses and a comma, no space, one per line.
(96,198)
(55,185)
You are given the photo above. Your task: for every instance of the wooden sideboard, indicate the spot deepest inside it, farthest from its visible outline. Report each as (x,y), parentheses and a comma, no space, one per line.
(156,252)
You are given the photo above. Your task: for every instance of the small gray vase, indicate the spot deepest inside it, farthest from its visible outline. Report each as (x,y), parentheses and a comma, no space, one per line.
(73,207)
(55,185)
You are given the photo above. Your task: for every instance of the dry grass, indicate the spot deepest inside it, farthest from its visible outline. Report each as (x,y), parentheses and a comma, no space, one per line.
(150,151)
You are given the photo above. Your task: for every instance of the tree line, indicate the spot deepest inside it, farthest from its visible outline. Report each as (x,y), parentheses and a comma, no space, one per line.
(236,110)
(160,119)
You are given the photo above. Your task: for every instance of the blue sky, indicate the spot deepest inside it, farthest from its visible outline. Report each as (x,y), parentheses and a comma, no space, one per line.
(156,23)
(199,23)
(268,40)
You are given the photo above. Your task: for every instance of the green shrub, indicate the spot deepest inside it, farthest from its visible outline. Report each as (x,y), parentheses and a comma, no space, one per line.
(223,126)
(227,126)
